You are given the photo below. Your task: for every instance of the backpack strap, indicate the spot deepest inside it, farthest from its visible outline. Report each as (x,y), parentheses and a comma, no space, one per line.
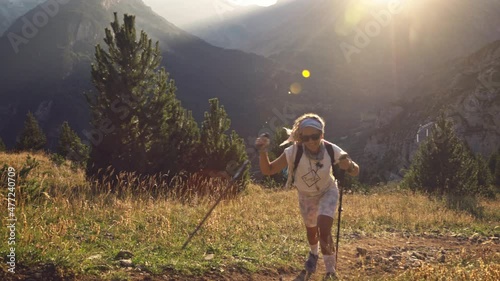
(338,173)
(329,148)
(296,161)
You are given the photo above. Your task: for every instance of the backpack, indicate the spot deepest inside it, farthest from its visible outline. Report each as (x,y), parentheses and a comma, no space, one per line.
(338,173)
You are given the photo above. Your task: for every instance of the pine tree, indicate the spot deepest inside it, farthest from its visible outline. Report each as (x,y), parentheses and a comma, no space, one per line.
(275,150)
(219,150)
(121,78)
(213,136)
(32,136)
(71,147)
(2,146)
(496,175)
(175,148)
(492,161)
(494,166)
(138,122)
(443,164)
(484,176)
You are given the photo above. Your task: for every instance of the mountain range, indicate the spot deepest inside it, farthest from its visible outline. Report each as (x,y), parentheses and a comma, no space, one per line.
(375,69)
(10,10)
(367,48)
(46,68)
(468,89)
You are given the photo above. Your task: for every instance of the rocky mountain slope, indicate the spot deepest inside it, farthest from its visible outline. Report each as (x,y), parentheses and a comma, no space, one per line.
(10,10)
(467,89)
(46,68)
(370,49)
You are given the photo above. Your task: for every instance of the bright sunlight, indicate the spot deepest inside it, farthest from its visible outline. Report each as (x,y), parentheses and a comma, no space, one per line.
(262,3)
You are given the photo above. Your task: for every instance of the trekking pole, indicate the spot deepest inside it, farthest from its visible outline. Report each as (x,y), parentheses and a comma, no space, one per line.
(236,175)
(341,181)
(216,203)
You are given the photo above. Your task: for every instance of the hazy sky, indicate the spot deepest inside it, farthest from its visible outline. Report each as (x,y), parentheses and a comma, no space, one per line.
(188,12)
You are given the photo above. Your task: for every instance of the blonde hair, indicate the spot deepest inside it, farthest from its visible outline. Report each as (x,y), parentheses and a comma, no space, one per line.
(295,131)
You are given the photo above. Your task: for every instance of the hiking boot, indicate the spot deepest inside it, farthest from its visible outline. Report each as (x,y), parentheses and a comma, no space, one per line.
(311,262)
(330,276)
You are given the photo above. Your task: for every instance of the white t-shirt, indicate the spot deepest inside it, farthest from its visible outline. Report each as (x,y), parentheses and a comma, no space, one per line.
(312,178)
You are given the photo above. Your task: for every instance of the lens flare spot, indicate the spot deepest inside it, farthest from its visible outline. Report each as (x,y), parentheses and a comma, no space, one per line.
(306,73)
(295,88)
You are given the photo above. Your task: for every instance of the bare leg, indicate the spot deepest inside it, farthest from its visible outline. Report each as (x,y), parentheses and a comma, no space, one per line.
(312,235)
(310,264)
(325,235)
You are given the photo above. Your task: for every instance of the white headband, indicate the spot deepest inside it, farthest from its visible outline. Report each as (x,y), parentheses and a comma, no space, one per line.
(311,122)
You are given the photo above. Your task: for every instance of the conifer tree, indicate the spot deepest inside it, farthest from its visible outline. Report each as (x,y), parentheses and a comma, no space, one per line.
(496,175)
(443,164)
(275,150)
(178,137)
(213,136)
(484,176)
(494,166)
(218,149)
(138,124)
(70,146)
(32,136)
(2,146)
(236,155)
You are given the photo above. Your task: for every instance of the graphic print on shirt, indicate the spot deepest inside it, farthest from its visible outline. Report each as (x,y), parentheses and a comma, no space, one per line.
(311,178)
(307,181)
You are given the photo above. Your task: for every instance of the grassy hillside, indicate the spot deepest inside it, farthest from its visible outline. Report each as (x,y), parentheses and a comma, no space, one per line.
(71,233)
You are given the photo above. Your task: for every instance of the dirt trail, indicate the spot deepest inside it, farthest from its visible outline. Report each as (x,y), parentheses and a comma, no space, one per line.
(393,255)
(359,256)
(389,256)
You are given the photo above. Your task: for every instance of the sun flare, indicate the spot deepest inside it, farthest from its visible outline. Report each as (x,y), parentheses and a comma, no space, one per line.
(262,3)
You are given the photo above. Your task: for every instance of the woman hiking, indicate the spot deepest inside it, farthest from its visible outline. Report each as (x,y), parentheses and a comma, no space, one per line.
(309,163)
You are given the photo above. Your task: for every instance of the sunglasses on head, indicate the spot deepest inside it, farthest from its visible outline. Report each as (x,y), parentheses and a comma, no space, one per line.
(314,137)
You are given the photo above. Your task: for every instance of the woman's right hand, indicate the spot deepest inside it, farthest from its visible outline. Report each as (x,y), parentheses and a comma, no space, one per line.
(262,142)
(268,168)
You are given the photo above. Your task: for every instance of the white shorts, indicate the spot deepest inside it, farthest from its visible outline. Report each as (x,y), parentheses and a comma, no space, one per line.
(312,207)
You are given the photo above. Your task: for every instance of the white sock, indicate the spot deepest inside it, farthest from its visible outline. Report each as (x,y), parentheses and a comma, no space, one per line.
(329,263)
(315,249)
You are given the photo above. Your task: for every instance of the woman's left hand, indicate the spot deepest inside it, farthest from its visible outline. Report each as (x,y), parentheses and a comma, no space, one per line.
(345,163)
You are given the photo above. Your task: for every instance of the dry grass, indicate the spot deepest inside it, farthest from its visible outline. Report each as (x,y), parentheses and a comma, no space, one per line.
(47,174)
(259,230)
(406,211)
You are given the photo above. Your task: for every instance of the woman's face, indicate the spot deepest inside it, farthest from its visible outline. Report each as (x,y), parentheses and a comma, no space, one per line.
(311,138)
